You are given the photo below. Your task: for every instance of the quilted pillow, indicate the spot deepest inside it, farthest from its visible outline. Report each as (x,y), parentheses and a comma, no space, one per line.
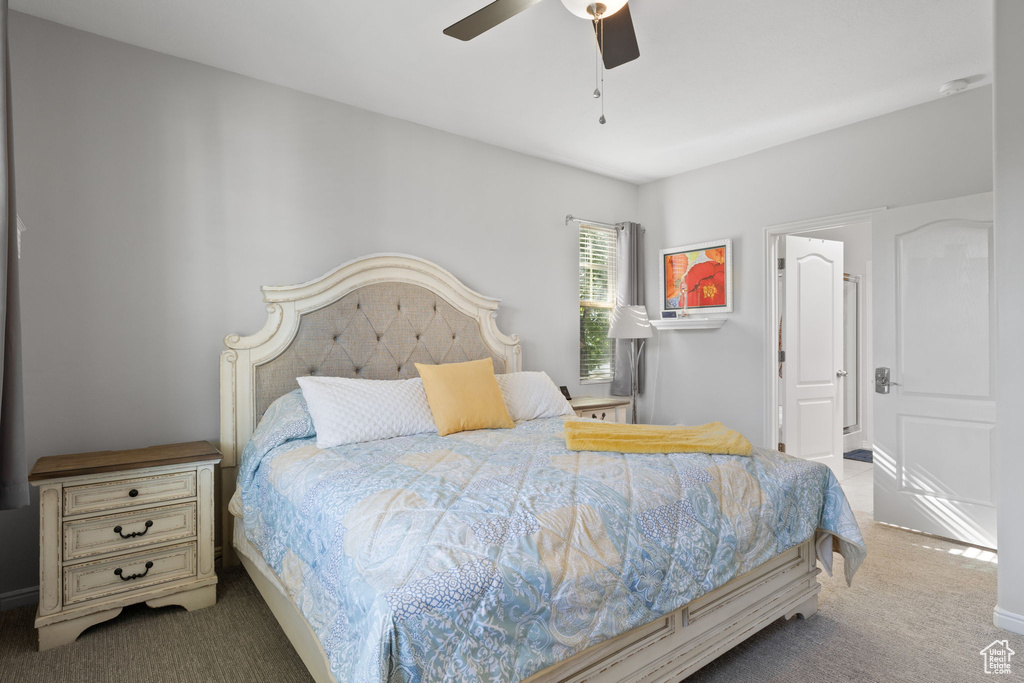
(348,410)
(532,395)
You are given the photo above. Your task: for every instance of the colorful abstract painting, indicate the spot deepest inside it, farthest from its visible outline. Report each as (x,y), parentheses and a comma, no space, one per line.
(697,278)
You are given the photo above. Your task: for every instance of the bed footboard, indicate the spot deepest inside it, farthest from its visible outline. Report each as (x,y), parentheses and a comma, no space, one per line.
(663,651)
(678,644)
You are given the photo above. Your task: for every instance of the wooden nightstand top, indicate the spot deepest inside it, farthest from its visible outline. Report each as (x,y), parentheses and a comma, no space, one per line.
(597,402)
(77,464)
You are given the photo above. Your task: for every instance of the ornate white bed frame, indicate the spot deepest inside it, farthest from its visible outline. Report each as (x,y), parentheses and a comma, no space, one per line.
(664,650)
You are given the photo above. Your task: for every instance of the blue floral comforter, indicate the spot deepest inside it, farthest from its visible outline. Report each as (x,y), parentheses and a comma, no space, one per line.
(492,554)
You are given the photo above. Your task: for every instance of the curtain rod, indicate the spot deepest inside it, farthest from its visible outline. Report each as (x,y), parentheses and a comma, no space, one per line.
(572,219)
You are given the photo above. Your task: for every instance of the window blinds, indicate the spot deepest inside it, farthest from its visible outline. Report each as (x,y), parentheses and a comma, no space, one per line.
(598,260)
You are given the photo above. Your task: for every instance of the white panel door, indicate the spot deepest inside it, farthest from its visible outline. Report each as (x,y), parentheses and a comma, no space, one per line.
(934,329)
(812,374)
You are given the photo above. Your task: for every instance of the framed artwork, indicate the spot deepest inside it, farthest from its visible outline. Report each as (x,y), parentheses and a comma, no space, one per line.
(696,279)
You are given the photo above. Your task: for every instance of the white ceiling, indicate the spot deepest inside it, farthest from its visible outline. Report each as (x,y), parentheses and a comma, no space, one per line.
(716,79)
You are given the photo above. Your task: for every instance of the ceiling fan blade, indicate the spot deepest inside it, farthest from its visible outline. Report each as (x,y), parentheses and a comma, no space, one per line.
(487,18)
(620,44)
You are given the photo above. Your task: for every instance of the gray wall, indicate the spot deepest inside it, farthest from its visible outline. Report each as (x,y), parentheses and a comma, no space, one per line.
(1009,210)
(160,194)
(933,151)
(856,239)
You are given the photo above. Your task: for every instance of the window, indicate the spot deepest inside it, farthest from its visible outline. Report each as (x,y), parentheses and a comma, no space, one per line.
(598,259)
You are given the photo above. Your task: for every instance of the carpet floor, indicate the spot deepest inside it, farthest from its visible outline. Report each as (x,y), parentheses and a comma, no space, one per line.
(920,609)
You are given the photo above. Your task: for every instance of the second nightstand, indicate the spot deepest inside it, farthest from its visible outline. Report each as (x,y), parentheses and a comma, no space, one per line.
(608,408)
(122,527)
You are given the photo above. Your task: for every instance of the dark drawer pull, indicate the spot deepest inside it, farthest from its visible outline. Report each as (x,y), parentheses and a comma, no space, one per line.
(133,493)
(603,415)
(118,571)
(117,530)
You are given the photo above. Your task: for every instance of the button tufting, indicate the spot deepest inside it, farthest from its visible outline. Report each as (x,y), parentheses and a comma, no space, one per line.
(417,337)
(312,371)
(357,307)
(378,337)
(453,336)
(399,368)
(336,337)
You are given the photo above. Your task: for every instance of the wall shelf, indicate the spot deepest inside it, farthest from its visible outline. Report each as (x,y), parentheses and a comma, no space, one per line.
(689,323)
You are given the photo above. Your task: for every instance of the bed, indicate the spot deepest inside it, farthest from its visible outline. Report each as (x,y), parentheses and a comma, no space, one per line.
(493,554)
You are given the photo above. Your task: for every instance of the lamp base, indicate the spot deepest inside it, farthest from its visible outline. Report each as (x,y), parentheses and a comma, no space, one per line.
(634,358)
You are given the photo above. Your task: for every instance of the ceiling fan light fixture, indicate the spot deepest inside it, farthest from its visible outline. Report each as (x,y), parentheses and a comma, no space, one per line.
(588,9)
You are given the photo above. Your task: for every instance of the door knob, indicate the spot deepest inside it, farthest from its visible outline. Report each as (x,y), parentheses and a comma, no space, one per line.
(840,373)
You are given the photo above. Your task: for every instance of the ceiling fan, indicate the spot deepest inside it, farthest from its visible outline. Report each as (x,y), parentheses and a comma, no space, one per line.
(613,25)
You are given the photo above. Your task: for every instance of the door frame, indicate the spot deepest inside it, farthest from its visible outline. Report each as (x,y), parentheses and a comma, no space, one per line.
(865,361)
(771,307)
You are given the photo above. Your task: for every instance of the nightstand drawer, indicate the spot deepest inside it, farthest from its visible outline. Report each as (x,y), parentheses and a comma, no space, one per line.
(128,572)
(606,408)
(128,530)
(610,414)
(128,492)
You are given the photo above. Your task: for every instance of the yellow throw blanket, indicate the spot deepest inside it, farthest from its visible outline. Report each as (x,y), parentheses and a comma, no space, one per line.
(713,437)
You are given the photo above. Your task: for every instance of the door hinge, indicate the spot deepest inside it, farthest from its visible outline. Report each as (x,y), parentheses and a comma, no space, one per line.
(782,264)
(782,356)
(782,447)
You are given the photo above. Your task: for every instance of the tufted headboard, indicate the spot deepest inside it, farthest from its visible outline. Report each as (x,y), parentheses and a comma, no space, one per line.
(374,318)
(379,331)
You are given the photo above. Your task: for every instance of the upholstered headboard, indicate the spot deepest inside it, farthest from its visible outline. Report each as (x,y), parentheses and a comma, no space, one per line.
(379,331)
(373,318)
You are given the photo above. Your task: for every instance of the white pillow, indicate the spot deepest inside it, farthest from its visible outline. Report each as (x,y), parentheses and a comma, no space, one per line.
(348,410)
(532,395)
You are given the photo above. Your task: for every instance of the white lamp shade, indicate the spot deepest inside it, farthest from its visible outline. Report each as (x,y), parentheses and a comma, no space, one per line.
(579,7)
(629,322)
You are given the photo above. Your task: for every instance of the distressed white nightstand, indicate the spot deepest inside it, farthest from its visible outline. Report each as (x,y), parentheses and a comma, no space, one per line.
(121,527)
(607,408)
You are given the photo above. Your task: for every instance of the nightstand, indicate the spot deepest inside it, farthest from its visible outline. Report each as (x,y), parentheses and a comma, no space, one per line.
(607,408)
(121,527)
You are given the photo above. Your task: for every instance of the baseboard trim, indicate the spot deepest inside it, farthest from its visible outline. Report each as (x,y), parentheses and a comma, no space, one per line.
(19,598)
(1008,620)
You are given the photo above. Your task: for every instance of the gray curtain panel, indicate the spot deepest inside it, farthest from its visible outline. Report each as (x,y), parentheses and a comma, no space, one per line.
(13,467)
(630,292)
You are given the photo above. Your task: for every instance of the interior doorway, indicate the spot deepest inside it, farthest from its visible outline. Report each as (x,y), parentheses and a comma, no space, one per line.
(856,240)
(926,362)
(853,368)
(857,477)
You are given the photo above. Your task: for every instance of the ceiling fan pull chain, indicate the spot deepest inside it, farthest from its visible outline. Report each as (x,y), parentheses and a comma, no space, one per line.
(597,73)
(600,53)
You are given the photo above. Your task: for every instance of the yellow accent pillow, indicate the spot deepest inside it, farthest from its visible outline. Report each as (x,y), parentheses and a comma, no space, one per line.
(464,396)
